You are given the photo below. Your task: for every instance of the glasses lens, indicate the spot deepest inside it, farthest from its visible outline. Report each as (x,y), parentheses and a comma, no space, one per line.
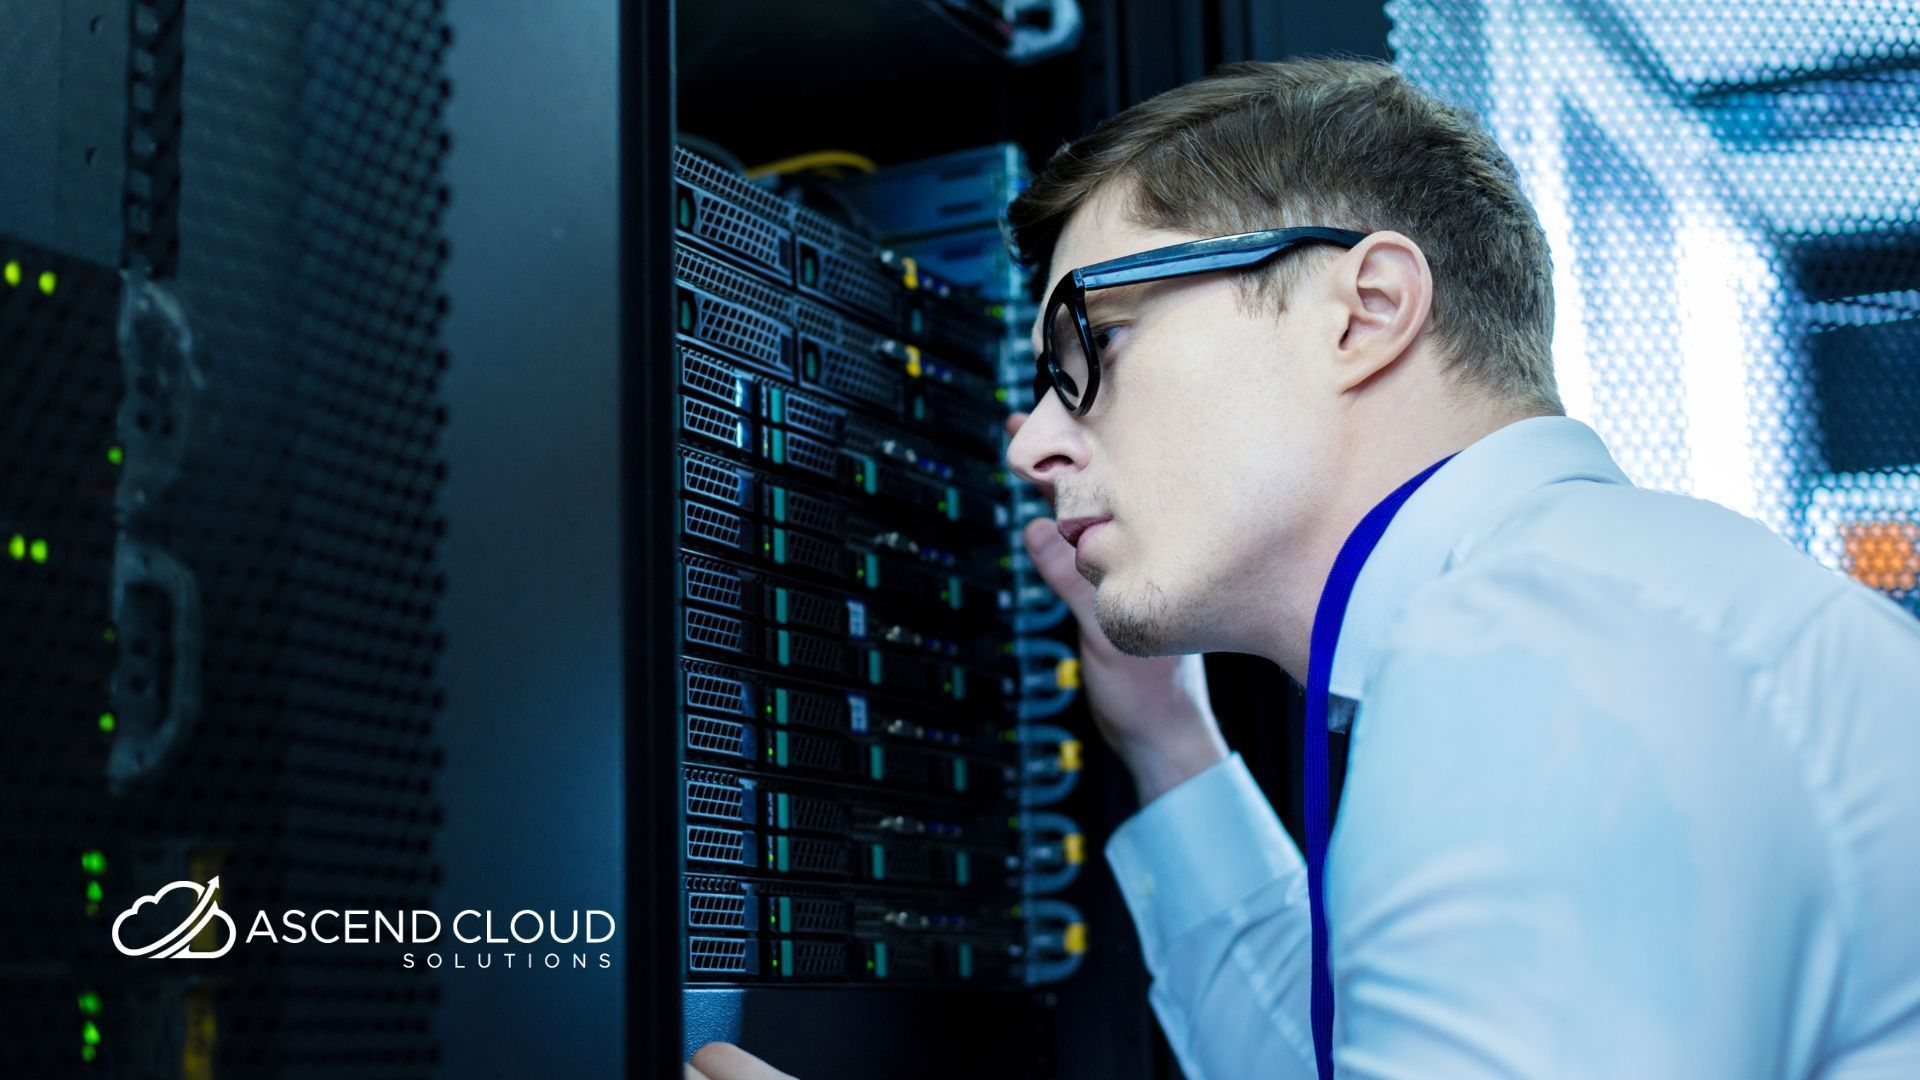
(1068,356)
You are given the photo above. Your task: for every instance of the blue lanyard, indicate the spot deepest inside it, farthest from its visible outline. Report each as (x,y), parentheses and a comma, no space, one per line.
(1318,811)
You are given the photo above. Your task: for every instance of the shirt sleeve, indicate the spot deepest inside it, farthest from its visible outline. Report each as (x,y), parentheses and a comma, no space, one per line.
(1218,893)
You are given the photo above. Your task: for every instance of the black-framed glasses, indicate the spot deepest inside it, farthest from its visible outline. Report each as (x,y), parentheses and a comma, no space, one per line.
(1069,364)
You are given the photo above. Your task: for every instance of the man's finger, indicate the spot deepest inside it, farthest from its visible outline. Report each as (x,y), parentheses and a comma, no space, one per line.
(692,1073)
(1053,559)
(725,1061)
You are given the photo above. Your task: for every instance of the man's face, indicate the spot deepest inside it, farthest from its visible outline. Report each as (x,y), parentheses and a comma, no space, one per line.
(1189,479)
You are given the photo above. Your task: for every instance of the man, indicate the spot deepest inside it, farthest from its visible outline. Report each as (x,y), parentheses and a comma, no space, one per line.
(1630,787)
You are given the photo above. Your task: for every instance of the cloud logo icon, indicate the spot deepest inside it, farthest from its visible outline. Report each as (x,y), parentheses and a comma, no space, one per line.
(173,944)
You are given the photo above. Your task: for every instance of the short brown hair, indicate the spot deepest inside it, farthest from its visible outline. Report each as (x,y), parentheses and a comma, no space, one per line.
(1337,142)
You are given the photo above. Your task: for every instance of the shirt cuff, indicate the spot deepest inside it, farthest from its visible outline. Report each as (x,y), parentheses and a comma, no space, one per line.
(1203,846)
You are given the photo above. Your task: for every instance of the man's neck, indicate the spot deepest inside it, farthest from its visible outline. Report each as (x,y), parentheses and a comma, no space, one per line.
(1376,459)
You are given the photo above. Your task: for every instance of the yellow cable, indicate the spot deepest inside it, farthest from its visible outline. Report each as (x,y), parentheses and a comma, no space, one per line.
(818,159)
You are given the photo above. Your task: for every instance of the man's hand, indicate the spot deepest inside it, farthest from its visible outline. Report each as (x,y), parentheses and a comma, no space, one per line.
(1153,711)
(725,1061)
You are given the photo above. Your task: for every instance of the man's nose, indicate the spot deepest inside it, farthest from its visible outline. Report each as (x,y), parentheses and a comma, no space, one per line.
(1047,445)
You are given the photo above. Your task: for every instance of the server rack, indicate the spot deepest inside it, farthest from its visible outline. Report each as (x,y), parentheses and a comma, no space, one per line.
(296,237)
(219,403)
(752,334)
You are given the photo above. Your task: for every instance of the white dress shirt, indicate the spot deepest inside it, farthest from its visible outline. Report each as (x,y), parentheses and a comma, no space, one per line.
(1633,791)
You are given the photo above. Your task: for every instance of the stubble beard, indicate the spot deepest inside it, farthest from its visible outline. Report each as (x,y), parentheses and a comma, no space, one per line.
(1143,624)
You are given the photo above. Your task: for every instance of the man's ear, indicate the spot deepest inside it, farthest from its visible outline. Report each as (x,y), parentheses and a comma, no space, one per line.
(1384,290)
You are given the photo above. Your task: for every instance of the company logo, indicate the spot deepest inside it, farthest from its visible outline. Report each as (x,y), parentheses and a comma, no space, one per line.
(173,944)
(531,938)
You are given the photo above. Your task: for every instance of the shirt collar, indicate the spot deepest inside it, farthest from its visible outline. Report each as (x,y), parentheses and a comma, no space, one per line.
(1460,502)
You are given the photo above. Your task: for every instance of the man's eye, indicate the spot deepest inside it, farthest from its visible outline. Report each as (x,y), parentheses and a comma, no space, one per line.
(1103,337)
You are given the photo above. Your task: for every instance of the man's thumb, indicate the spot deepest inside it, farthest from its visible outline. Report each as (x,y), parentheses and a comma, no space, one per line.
(1053,559)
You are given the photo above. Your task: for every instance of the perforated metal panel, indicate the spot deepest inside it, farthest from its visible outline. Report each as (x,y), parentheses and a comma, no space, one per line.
(223,468)
(1732,195)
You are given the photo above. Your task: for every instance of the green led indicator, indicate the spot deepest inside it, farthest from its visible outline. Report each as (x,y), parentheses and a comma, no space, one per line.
(90,1003)
(17,546)
(94,862)
(93,892)
(91,1033)
(1000,395)
(47,282)
(106,721)
(108,635)
(88,1053)
(13,272)
(38,551)
(115,455)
